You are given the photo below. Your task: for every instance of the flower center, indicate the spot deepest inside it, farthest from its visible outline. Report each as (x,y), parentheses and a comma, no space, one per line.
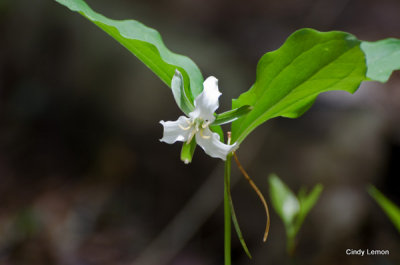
(196,125)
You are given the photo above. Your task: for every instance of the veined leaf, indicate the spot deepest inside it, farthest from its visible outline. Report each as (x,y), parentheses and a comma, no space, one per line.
(146,44)
(289,79)
(383,57)
(391,209)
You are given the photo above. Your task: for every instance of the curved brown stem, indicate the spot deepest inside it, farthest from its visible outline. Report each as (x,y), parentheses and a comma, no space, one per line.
(255,188)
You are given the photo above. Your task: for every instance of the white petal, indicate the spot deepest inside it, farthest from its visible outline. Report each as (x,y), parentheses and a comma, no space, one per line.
(211,144)
(178,130)
(207,102)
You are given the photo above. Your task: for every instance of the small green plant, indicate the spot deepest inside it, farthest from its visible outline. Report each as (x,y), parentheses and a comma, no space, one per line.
(287,83)
(292,209)
(391,209)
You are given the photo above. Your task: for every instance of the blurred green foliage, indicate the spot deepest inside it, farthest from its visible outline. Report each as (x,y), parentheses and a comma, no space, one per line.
(291,209)
(391,209)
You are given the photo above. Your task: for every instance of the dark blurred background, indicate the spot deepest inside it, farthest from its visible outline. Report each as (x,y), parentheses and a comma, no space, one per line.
(85,180)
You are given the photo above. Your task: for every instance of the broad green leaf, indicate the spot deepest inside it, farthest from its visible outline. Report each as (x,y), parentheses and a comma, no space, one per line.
(383,57)
(391,209)
(289,79)
(283,200)
(307,202)
(178,90)
(146,44)
(231,115)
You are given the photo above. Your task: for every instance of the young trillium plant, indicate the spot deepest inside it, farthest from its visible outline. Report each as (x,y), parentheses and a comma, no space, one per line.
(287,83)
(196,126)
(291,208)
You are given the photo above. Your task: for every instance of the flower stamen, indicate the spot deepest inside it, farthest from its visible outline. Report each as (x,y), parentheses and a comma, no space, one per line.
(184,128)
(205,124)
(204,136)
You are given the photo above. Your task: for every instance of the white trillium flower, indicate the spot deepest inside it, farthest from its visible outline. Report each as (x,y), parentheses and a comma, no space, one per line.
(197,124)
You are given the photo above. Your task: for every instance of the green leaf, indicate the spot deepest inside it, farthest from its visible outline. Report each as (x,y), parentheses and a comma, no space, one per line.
(391,209)
(383,57)
(289,79)
(283,200)
(146,44)
(178,89)
(231,115)
(307,202)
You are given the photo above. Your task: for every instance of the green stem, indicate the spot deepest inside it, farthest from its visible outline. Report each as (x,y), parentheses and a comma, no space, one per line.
(227,211)
(290,246)
(291,242)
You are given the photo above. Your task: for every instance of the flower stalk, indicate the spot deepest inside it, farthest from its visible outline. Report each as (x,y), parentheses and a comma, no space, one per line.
(227,211)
